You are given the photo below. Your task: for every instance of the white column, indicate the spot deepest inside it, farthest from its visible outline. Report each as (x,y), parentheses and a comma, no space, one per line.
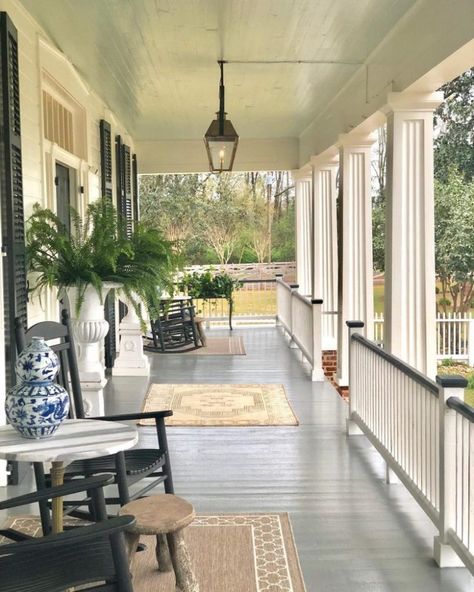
(356,301)
(303,198)
(325,167)
(410,306)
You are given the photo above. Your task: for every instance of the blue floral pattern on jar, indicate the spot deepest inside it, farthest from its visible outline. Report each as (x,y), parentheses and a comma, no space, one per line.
(36,406)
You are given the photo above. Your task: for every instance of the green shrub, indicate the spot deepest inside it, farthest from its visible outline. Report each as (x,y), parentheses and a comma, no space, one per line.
(449,362)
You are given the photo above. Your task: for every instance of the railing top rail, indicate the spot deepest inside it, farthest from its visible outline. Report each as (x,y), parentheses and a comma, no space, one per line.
(280,281)
(409,371)
(253,281)
(461,407)
(305,299)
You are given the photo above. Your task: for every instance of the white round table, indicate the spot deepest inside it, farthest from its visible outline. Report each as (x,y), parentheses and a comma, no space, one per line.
(75,439)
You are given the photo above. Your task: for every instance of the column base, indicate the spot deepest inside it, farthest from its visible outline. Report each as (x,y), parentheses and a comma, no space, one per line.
(352,429)
(130,371)
(93,396)
(317,375)
(445,555)
(391,478)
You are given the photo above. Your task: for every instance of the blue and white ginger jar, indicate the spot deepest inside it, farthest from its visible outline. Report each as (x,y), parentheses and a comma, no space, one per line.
(37,405)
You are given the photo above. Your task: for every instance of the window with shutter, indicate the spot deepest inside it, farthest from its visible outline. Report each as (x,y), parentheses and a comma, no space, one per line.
(110,342)
(11,179)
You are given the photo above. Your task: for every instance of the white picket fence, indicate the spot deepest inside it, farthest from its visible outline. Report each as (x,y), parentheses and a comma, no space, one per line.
(425,433)
(300,317)
(454,336)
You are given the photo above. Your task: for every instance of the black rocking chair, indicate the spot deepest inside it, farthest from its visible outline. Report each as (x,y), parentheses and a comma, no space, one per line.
(93,555)
(175,328)
(129,467)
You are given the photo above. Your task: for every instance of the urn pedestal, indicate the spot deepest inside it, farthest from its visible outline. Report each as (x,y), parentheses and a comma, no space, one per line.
(131,360)
(90,328)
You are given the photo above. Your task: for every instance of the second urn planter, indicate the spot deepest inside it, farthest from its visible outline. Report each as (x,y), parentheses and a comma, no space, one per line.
(90,328)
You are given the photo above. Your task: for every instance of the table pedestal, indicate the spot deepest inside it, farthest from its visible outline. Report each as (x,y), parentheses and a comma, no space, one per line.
(57,478)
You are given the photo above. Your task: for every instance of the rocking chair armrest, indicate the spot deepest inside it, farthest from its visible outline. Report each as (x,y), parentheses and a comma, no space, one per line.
(137,416)
(75,535)
(74,486)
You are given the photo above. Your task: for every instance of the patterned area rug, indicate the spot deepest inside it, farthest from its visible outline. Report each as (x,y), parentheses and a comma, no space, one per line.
(221,404)
(233,552)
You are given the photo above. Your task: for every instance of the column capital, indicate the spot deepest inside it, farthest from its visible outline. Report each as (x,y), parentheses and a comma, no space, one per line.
(302,174)
(356,140)
(412,102)
(328,158)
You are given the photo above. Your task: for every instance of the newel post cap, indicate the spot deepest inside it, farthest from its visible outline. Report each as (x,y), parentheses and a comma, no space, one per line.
(355,324)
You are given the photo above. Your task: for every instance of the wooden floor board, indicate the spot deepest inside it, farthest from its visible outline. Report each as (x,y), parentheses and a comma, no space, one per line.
(354,533)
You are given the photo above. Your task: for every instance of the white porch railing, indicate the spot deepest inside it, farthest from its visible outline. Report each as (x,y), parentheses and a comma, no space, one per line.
(454,336)
(300,317)
(425,435)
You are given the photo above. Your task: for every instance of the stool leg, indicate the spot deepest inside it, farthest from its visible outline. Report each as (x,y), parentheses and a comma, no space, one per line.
(185,578)
(131,541)
(163,553)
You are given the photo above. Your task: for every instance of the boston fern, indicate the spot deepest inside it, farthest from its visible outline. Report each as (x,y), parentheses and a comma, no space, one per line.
(97,250)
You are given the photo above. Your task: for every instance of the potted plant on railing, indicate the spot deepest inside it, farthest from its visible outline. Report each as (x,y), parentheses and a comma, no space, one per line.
(208,286)
(97,255)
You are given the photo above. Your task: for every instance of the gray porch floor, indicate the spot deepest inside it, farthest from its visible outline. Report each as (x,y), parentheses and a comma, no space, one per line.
(353,532)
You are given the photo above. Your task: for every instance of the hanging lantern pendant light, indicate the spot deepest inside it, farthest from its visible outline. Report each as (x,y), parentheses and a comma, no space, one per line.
(221,139)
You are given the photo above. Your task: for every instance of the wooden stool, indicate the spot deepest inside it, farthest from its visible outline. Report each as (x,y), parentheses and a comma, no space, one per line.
(199,322)
(164,516)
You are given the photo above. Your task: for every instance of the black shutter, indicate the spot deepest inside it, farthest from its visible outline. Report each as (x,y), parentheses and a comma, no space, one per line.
(106,159)
(127,212)
(136,203)
(11,194)
(124,182)
(124,193)
(110,344)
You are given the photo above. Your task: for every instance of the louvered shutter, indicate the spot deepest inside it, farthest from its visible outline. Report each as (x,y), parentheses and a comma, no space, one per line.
(110,342)
(124,193)
(136,203)
(124,182)
(127,212)
(106,159)
(11,182)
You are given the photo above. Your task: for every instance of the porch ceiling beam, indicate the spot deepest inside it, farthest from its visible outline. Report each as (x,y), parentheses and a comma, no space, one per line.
(430,45)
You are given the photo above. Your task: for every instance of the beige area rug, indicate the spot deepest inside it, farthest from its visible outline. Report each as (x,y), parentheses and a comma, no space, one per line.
(230,553)
(220,346)
(221,404)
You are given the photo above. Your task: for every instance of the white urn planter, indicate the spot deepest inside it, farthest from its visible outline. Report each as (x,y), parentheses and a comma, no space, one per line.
(131,360)
(90,328)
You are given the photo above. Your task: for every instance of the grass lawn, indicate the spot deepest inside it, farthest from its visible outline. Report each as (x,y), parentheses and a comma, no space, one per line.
(378,297)
(246,303)
(379,290)
(469,397)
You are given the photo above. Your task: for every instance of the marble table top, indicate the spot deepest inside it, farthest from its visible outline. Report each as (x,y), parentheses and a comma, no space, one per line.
(75,439)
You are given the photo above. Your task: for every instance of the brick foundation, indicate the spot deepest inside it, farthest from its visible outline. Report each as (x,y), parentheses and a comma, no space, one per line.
(330,371)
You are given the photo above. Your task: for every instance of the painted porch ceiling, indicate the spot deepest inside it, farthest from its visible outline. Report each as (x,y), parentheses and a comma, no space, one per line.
(154,61)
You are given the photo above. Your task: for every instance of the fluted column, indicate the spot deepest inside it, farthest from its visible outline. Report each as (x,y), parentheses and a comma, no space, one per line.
(356,301)
(304,233)
(410,305)
(325,167)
